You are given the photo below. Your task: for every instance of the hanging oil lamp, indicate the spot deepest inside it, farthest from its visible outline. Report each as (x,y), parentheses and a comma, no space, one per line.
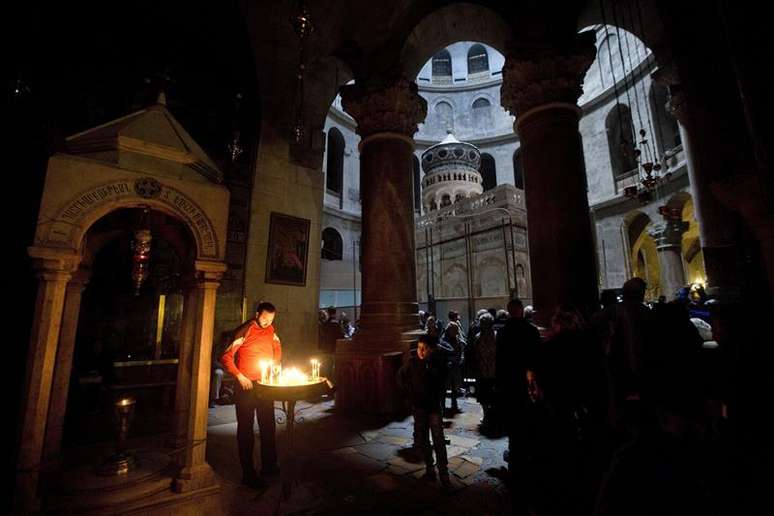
(141,245)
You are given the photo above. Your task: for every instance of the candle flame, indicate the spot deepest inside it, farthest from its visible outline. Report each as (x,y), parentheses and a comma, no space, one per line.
(293,376)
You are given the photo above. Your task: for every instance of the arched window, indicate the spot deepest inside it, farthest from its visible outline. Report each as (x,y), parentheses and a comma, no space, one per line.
(478,59)
(518,169)
(417,190)
(481,103)
(442,65)
(333,246)
(334,168)
(667,131)
(445,200)
(619,141)
(445,114)
(488,172)
(459,197)
(482,114)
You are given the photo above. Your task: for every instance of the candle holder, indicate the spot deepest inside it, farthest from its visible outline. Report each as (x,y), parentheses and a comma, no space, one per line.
(121,461)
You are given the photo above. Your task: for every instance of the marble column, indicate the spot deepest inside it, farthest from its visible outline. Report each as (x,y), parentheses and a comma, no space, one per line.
(54,268)
(194,472)
(387,113)
(541,88)
(184,368)
(64,366)
(743,193)
(669,238)
(708,140)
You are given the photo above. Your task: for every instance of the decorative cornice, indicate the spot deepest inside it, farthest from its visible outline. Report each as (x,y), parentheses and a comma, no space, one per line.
(534,77)
(392,107)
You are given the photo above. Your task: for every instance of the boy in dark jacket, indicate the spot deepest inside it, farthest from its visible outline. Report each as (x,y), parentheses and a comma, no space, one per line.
(423,379)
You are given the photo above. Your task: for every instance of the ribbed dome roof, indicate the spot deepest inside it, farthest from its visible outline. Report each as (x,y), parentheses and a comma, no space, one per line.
(451,153)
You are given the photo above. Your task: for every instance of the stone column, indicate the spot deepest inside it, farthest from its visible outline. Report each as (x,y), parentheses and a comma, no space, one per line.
(708,142)
(669,238)
(183,380)
(541,88)
(55,267)
(195,473)
(744,194)
(64,366)
(387,114)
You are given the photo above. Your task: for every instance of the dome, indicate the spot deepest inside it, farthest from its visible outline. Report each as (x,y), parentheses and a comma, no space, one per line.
(451,155)
(451,173)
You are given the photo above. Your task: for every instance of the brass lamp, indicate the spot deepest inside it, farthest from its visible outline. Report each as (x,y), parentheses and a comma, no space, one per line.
(121,461)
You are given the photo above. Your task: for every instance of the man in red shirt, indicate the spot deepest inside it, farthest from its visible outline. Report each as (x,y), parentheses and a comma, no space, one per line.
(252,343)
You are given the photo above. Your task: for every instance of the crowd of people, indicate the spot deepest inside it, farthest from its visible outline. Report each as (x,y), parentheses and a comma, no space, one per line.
(624,411)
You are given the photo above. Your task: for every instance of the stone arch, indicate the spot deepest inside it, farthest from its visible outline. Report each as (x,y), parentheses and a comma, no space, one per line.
(334,165)
(678,201)
(478,59)
(455,281)
(441,64)
(667,129)
(488,171)
(642,253)
(444,114)
(333,244)
(620,131)
(518,169)
(491,276)
(441,27)
(681,204)
(69,225)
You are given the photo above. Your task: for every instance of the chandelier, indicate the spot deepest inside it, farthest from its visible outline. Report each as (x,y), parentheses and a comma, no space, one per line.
(650,172)
(302,25)
(234,147)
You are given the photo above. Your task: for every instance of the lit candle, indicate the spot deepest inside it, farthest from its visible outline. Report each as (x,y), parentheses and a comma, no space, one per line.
(315,369)
(264,365)
(276,374)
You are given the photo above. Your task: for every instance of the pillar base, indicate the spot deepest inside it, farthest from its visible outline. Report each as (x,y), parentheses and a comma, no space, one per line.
(148,489)
(366,373)
(195,477)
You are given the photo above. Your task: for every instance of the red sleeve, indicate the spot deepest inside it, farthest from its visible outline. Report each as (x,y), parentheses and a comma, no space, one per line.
(277,349)
(227,358)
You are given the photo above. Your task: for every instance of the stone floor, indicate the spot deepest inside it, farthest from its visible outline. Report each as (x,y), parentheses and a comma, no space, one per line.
(347,465)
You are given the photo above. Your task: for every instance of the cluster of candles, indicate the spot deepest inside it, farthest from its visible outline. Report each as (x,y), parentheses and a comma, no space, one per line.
(274,374)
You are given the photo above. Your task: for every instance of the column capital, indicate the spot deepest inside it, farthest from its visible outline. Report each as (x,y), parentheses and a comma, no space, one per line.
(48,260)
(669,233)
(534,77)
(385,106)
(209,274)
